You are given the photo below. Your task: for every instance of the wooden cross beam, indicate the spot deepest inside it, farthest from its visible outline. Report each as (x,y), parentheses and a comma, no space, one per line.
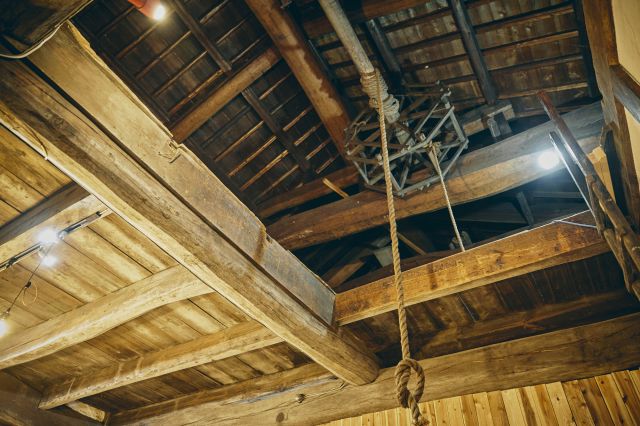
(205,228)
(484,172)
(568,354)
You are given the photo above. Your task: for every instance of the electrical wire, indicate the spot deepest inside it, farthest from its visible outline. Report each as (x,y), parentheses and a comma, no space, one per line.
(29,50)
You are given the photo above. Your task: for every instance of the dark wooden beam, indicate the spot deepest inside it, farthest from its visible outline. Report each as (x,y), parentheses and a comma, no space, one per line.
(463,22)
(626,90)
(585,50)
(284,138)
(481,173)
(562,355)
(295,50)
(389,60)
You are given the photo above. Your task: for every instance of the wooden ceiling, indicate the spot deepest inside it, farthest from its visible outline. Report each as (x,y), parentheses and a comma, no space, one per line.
(263,138)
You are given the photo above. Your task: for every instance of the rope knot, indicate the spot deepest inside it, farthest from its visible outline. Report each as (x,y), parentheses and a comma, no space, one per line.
(407,398)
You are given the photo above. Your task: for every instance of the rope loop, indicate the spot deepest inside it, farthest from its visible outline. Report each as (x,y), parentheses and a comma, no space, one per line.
(406,397)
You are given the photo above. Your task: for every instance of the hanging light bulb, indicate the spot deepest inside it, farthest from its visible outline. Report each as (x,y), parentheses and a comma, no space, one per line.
(548,159)
(153,9)
(48,236)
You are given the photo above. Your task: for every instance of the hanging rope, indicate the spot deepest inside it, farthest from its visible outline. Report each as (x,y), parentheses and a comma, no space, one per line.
(406,398)
(436,163)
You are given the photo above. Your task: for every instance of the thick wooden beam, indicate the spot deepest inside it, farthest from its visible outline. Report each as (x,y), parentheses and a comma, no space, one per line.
(19,407)
(309,191)
(99,316)
(471,46)
(232,341)
(150,203)
(561,355)
(626,90)
(218,99)
(296,52)
(539,248)
(479,174)
(147,140)
(66,207)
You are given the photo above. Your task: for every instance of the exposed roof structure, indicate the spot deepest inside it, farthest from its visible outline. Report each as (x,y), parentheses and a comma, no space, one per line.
(175,303)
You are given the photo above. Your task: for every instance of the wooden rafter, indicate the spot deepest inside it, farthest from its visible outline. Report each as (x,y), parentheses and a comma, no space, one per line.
(99,316)
(481,173)
(66,207)
(194,236)
(234,340)
(560,355)
(296,52)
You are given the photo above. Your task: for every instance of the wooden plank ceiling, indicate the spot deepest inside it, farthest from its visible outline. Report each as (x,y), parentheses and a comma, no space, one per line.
(211,73)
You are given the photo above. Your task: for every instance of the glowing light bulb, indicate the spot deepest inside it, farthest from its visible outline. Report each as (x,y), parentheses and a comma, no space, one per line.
(48,236)
(159,12)
(4,326)
(49,260)
(548,159)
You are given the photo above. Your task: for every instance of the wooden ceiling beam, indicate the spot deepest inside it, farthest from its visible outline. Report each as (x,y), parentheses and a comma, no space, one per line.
(97,317)
(528,251)
(205,228)
(199,115)
(471,46)
(237,339)
(295,50)
(66,207)
(478,174)
(567,354)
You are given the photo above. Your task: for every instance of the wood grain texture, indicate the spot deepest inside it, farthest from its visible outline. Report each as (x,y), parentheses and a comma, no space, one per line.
(97,317)
(218,99)
(30,106)
(479,174)
(539,248)
(67,206)
(237,339)
(558,356)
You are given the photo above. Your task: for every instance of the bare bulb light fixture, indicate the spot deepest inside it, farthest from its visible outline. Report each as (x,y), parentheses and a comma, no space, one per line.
(548,159)
(153,9)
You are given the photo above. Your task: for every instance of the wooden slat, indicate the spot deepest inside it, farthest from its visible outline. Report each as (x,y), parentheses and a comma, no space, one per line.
(295,50)
(67,206)
(539,248)
(626,89)
(97,317)
(232,341)
(171,222)
(562,355)
(229,90)
(481,173)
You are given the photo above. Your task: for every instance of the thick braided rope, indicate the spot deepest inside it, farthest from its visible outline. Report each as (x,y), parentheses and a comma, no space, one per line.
(406,398)
(446,196)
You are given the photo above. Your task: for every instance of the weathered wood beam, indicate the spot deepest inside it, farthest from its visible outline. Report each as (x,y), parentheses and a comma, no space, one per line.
(29,21)
(89,411)
(626,90)
(19,407)
(567,354)
(232,341)
(183,172)
(195,118)
(468,34)
(195,237)
(296,52)
(539,248)
(383,46)
(309,191)
(587,59)
(97,317)
(479,174)
(66,207)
